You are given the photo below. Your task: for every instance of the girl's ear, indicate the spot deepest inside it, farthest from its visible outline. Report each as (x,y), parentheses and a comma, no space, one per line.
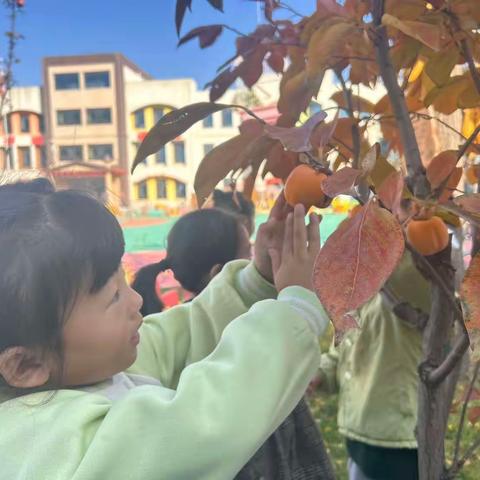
(214,270)
(22,367)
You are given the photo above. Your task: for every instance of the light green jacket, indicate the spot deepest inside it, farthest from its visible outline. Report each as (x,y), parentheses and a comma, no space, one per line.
(374,369)
(226,385)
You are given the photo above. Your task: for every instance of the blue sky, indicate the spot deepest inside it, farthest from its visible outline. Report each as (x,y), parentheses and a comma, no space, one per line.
(143,30)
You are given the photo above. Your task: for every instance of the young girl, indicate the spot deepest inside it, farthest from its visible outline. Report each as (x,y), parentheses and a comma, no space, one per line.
(211,379)
(199,244)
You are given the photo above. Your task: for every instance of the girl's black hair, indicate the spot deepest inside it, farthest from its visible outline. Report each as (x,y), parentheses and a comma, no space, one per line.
(197,242)
(54,245)
(234,202)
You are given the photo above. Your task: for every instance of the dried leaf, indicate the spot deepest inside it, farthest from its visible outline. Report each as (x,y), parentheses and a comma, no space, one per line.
(440,65)
(295,95)
(173,124)
(341,181)
(342,136)
(280,162)
(430,35)
(382,170)
(217,4)
(296,139)
(206,35)
(359,104)
(370,159)
(471,299)
(473,414)
(323,43)
(441,166)
(218,163)
(356,260)
(452,184)
(470,203)
(390,191)
(445,99)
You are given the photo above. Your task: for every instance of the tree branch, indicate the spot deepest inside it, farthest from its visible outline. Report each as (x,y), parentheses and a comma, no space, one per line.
(347,93)
(412,154)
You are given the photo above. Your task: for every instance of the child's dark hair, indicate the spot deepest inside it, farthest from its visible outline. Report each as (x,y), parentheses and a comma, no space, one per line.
(54,246)
(197,242)
(233,202)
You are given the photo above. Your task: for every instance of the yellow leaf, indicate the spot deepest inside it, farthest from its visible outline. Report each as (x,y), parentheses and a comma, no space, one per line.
(469,98)
(471,118)
(416,70)
(430,35)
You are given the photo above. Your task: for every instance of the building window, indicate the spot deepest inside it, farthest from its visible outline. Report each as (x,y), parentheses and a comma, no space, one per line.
(139,119)
(227,118)
(179,152)
(99,115)
(100,152)
(142,190)
(161,188)
(68,117)
(43,157)
(158,113)
(67,81)
(207,148)
(71,153)
(181,189)
(208,122)
(161,157)
(24,123)
(97,80)
(25,158)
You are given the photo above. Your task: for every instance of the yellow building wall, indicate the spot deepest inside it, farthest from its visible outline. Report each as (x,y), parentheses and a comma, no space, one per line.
(171,188)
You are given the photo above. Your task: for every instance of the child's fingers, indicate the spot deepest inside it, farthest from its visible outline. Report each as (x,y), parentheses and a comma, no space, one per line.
(299,230)
(288,236)
(313,233)
(275,258)
(278,209)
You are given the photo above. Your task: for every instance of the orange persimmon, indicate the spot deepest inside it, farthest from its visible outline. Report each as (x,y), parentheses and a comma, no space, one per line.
(428,236)
(304,185)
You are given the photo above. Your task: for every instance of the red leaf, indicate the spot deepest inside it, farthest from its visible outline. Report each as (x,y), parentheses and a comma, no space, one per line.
(275,61)
(323,133)
(471,299)
(470,203)
(251,69)
(441,166)
(206,35)
(356,261)
(251,127)
(390,191)
(280,162)
(451,185)
(296,139)
(180,10)
(473,414)
(219,85)
(341,181)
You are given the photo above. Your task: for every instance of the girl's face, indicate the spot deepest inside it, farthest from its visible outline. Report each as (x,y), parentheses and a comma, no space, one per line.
(100,336)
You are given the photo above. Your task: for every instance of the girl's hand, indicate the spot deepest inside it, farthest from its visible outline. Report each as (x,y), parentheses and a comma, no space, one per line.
(293,264)
(270,236)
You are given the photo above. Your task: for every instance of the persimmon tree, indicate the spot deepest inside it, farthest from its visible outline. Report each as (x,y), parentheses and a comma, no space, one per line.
(425,56)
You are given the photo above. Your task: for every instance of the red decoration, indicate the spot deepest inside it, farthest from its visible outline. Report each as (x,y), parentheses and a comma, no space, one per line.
(38,140)
(141,136)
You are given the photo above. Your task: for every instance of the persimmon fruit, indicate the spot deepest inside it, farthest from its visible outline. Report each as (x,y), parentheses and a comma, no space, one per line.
(304,185)
(428,236)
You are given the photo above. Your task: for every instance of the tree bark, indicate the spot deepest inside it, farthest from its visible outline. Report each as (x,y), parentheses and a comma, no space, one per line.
(434,398)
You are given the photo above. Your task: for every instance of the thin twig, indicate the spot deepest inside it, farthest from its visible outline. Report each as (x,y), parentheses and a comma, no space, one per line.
(461,422)
(452,473)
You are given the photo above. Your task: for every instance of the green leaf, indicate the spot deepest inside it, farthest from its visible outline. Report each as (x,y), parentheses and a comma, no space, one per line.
(173,124)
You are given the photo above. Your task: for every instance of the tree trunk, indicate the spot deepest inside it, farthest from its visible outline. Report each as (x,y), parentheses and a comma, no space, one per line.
(435,398)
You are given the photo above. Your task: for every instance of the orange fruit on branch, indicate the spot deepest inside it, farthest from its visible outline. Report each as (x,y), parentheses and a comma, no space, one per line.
(304,185)
(428,236)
